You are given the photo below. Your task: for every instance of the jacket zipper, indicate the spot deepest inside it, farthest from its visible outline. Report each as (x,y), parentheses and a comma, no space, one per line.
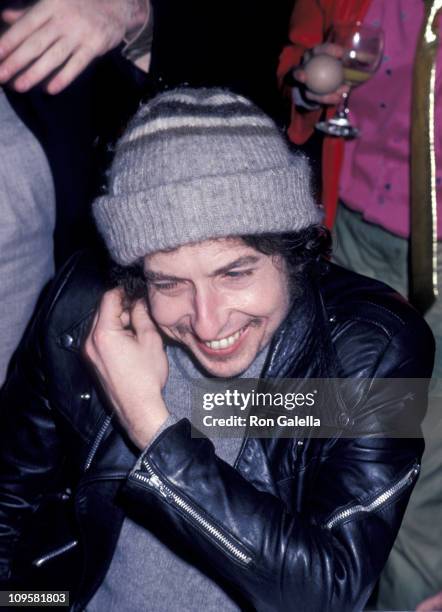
(54,553)
(97,441)
(154,482)
(378,502)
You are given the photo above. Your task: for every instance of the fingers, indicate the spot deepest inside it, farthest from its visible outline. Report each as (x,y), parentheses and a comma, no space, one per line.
(333,98)
(141,320)
(58,39)
(110,316)
(111,310)
(23,26)
(55,56)
(299,75)
(73,68)
(25,54)
(125,319)
(89,345)
(329,49)
(41,42)
(10,16)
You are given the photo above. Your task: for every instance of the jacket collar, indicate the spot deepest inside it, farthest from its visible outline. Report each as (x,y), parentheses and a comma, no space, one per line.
(301,346)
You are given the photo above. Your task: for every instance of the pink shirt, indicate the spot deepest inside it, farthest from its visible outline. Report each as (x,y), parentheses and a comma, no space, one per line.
(375,174)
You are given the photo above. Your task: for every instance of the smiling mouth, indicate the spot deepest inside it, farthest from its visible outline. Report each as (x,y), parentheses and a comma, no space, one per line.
(227,342)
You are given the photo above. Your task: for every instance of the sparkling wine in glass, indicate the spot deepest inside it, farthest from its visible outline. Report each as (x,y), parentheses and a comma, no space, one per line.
(362,48)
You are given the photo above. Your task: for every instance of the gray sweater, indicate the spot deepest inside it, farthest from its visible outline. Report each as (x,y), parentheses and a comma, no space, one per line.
(145,575)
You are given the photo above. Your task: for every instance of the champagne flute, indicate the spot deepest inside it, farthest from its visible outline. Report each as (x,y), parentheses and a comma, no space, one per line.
(362,48)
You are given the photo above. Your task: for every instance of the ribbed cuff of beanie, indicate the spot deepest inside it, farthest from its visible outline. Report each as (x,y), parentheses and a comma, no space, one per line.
(272,200)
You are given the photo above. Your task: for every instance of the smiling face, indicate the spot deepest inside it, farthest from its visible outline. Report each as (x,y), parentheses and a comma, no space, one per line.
(221,298)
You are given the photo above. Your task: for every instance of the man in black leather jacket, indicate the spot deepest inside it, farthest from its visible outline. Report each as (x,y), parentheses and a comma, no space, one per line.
(210,217)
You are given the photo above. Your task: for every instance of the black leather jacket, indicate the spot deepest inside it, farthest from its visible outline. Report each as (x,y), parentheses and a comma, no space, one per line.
(296,524)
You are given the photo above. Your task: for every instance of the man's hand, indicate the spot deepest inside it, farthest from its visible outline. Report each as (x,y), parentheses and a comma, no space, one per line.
(299,75)
(57,39)
(432,604)
(127,353)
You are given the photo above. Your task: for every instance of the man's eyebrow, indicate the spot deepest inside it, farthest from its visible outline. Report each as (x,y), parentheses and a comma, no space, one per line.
(237,263)
(152,276)
(149,275)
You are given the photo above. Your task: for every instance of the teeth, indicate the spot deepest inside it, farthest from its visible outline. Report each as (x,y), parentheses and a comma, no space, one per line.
(224,342)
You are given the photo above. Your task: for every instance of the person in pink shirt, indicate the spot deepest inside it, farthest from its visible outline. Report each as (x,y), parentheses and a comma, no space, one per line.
(375,177)
(371,235)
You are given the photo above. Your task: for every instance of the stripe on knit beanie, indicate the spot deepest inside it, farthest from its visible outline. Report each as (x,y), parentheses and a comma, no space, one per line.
(195,164)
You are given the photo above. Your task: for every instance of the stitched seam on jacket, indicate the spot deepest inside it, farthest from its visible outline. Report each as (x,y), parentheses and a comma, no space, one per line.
(371,321)
(385,309)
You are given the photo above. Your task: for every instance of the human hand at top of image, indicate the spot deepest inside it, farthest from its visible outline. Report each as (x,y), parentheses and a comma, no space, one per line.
(321,75)
(127,354)
(55,40)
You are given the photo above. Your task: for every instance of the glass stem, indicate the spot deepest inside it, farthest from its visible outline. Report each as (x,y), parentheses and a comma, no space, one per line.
(343,110)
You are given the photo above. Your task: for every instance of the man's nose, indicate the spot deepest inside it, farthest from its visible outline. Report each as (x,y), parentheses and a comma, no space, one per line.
(209,314)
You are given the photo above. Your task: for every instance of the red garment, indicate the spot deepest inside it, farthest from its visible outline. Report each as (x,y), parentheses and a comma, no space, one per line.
(309,25)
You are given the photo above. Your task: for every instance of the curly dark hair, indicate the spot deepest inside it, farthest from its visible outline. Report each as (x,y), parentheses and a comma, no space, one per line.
(301,252)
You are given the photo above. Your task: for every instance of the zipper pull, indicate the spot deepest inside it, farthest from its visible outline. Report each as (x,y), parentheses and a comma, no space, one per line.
(152,480)
(156,483)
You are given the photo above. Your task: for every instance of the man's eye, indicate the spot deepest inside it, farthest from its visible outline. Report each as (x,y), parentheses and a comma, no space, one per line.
(165,286)
(238,273)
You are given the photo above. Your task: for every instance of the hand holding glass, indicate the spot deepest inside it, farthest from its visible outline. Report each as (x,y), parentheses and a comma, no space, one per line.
(362,48)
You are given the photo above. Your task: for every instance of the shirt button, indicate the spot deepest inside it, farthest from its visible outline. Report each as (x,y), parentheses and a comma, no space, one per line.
(66,341)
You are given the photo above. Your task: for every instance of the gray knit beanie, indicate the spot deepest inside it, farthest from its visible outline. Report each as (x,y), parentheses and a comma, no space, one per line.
(195,164)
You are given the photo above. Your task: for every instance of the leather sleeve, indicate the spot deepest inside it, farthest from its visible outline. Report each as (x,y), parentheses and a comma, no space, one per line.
(327,558)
